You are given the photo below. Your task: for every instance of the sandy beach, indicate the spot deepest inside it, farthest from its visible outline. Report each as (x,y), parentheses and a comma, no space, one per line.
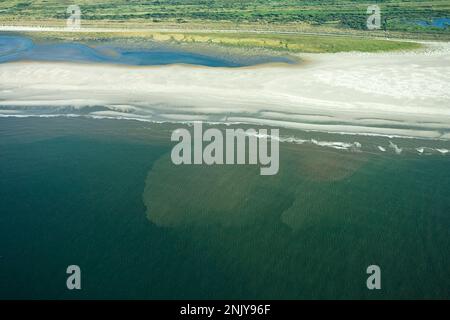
(397,94)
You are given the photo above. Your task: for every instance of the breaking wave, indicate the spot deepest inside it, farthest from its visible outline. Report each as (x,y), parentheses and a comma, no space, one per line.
(354,146)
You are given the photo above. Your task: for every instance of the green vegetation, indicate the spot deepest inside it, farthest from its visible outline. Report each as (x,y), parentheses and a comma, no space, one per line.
(331,14)
(276,25)
(295,43)
(301,43)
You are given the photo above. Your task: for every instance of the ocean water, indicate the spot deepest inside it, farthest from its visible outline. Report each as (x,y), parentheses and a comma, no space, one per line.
(104,195)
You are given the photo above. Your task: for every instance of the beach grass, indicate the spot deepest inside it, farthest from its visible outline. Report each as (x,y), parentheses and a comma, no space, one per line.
(299,42)
(290,43)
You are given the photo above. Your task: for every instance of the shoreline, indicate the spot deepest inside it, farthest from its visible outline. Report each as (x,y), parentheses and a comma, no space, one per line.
(356,143)
(274,41)
(388,94)
(308,96)
(15,114)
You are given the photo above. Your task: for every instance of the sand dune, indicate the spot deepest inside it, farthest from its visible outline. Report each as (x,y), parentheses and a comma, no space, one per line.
(388,94)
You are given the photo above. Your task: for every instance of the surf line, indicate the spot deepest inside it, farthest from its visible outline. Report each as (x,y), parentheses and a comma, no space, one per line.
(231,149)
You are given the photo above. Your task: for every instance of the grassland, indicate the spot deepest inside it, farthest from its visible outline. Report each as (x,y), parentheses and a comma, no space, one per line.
(324,14)
(295,43)
(299,43)
(280,25)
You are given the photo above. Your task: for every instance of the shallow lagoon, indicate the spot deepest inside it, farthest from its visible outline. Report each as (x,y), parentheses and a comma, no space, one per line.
(20,48)
(435,22)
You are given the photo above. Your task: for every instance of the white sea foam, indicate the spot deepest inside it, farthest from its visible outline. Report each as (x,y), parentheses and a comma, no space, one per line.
(339,145)
(395,147)
(430,150)
(5,112)
(329,144)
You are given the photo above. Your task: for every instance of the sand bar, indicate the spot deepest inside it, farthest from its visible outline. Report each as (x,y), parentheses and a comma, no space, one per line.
(404,94)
